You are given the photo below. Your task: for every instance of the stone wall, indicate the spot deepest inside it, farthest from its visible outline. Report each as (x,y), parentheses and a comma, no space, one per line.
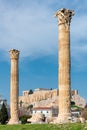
(27,98)
(37,96)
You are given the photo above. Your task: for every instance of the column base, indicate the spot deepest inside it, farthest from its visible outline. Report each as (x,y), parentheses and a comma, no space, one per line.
(63,118)
(13,122)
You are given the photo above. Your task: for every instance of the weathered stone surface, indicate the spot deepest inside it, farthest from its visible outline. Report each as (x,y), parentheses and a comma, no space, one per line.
(49,101)
(79,101)
(82,120)
(14,54)
(75,120)
(50,120)
(64,19)
(37,96)
(64,16)
(36,118)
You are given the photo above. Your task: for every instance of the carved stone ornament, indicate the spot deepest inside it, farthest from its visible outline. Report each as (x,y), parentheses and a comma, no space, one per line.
(64,16)
(14,54)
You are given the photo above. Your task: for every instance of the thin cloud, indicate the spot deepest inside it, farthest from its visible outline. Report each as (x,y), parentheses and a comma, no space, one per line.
(31,30)
(30,27)
(79,40)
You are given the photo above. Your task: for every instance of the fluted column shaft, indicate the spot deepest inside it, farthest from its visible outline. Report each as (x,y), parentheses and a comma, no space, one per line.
(14,87)
(64,18)
(64,70)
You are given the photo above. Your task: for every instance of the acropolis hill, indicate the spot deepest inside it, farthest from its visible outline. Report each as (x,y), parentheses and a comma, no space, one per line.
(46,97)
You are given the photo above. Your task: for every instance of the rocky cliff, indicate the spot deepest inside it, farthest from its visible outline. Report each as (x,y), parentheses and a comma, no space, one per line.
(48,98)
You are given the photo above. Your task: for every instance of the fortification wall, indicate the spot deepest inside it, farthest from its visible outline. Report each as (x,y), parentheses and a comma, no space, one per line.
(27,98)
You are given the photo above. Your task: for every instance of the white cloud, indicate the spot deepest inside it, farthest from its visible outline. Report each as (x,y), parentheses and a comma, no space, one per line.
(30,27)
(79,39)
(31,30)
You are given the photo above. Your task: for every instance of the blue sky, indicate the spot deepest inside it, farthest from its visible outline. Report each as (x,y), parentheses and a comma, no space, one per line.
(30,26)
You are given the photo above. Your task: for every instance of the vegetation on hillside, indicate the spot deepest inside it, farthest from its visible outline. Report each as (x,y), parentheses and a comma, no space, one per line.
(31,91)
(24,118)
(76,107)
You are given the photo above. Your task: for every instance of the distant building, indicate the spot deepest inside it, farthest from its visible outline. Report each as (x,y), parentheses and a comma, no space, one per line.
(47,111)
(26,93)
(48,97)
(41,89)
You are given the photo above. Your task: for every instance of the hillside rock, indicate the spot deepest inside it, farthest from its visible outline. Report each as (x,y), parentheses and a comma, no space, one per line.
(36,118)
(79,101)
(48,98)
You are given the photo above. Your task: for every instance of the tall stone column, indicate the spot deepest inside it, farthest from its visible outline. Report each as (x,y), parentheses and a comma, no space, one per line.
(14,87)
(64,19)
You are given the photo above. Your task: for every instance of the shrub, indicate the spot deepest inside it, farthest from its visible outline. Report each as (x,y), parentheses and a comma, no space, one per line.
(30,107)
(31,91)
(24,118)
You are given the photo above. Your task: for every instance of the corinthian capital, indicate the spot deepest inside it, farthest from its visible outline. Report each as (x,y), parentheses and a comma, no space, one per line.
(64,16)
(14,54)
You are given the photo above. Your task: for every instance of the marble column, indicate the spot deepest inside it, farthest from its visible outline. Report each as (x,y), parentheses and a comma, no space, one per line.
(64,18)
(14,87)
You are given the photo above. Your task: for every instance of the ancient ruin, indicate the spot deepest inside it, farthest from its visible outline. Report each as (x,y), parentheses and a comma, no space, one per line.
(64,18)
(48,98)
(14,87)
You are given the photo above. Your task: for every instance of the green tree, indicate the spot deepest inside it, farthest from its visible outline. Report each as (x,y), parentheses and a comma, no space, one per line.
(30,107)
(21,102)
(31,91)
(3,114)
